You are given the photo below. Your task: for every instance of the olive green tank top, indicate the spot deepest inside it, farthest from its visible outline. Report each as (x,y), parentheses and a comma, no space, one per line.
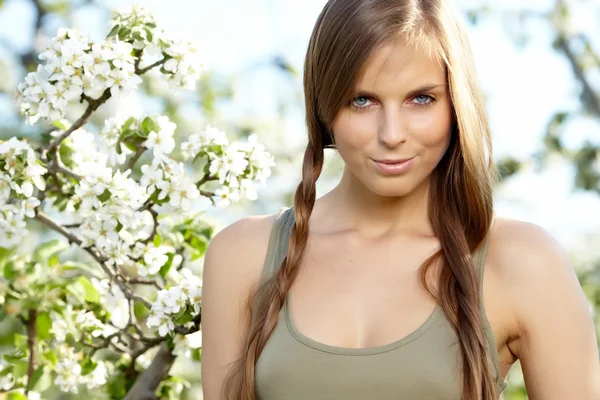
(421,366)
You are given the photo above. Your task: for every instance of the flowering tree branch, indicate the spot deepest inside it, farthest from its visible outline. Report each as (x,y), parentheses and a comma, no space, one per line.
(117,213)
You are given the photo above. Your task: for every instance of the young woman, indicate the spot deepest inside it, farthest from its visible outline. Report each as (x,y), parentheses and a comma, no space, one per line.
(399,283)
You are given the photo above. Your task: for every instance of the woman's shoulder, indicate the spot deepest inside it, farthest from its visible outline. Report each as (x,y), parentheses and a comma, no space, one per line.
(532,274)
(238,251)
(522,250)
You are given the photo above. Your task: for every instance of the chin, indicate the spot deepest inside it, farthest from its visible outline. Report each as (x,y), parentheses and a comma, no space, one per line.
(391,187)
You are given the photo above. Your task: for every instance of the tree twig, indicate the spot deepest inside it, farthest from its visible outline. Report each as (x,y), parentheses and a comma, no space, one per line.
(31,338)
(93,104)
(138,153)
(55,226)
(140,71)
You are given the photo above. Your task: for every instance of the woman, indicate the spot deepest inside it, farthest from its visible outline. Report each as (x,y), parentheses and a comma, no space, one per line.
(397,284)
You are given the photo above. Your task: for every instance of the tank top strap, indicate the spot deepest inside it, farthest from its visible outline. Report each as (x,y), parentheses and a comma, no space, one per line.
(479,259)
(277,248)
(278,241)
(479,263)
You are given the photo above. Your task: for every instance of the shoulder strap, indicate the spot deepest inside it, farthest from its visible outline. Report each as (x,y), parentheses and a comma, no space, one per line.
(479,258)
(278,241)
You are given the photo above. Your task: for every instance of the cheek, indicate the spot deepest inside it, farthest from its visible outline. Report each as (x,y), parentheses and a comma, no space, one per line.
(431,130)
(353,131)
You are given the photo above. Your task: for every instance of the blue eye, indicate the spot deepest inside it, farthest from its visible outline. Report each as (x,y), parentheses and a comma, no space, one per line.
(360,101)
(423,100)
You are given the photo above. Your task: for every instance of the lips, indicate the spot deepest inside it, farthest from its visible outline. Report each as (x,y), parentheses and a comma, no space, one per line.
(393,161)
(398,166)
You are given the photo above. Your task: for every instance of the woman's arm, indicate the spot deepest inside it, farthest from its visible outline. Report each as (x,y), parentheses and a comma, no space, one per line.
(556,341)
(232,266)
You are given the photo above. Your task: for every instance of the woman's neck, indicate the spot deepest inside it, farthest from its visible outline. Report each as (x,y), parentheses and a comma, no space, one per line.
(357,208)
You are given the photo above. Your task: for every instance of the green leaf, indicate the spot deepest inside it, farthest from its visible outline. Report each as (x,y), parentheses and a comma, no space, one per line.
(88,366)
(61,203)
(148,125)
(60,125)
(137,36)
(43,326)
(14,358)
(124,32)
(130,146)
(20,341)
(15,396)
(117,387)
(199,243)
(114,30)
(5,255)
(149,35)
(9,271)
(164,270)
(91,294)
(157,240)
(50,355)
(197,354)
(104,196)
(185,318)
(35,377)
(128,123)
(20,369)
(44,252)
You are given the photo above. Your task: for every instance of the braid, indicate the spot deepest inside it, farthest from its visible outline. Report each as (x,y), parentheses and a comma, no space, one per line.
(272,293)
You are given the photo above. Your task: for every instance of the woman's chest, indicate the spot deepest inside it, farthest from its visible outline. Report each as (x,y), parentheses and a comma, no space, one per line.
(359,297)
(422,366)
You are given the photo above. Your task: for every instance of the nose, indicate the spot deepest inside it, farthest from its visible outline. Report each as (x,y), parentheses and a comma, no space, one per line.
(392,130)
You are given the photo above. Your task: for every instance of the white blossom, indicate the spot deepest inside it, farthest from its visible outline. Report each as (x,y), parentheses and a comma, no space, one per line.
(185,295)
(183,64)
(68,371)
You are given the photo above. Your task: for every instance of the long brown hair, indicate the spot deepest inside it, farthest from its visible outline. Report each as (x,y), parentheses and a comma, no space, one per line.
(460,199)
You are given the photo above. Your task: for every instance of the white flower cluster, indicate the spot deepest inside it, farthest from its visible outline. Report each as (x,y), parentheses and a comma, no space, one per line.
(74,66)
(183,66)
(109,140)
(108,202)
(171,302)
(20,171)
(109,208)
(69,373)
(164,175)
(238,165)
(134,23)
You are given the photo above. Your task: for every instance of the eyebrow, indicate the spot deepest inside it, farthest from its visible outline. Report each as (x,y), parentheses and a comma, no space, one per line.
(414,92)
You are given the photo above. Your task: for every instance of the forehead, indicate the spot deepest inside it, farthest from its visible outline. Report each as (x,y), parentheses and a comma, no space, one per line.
(396,65)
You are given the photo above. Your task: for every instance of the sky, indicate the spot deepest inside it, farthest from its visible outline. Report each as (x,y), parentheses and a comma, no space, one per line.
(523,86)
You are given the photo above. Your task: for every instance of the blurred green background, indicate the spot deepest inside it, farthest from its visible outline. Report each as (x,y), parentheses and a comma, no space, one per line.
(538,62)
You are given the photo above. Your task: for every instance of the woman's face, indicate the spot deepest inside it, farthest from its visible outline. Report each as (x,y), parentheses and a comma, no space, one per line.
(397,127)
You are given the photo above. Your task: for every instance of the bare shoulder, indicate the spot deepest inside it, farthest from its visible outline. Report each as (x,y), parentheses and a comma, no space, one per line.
(240,248)
(535,277)
(520,251)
